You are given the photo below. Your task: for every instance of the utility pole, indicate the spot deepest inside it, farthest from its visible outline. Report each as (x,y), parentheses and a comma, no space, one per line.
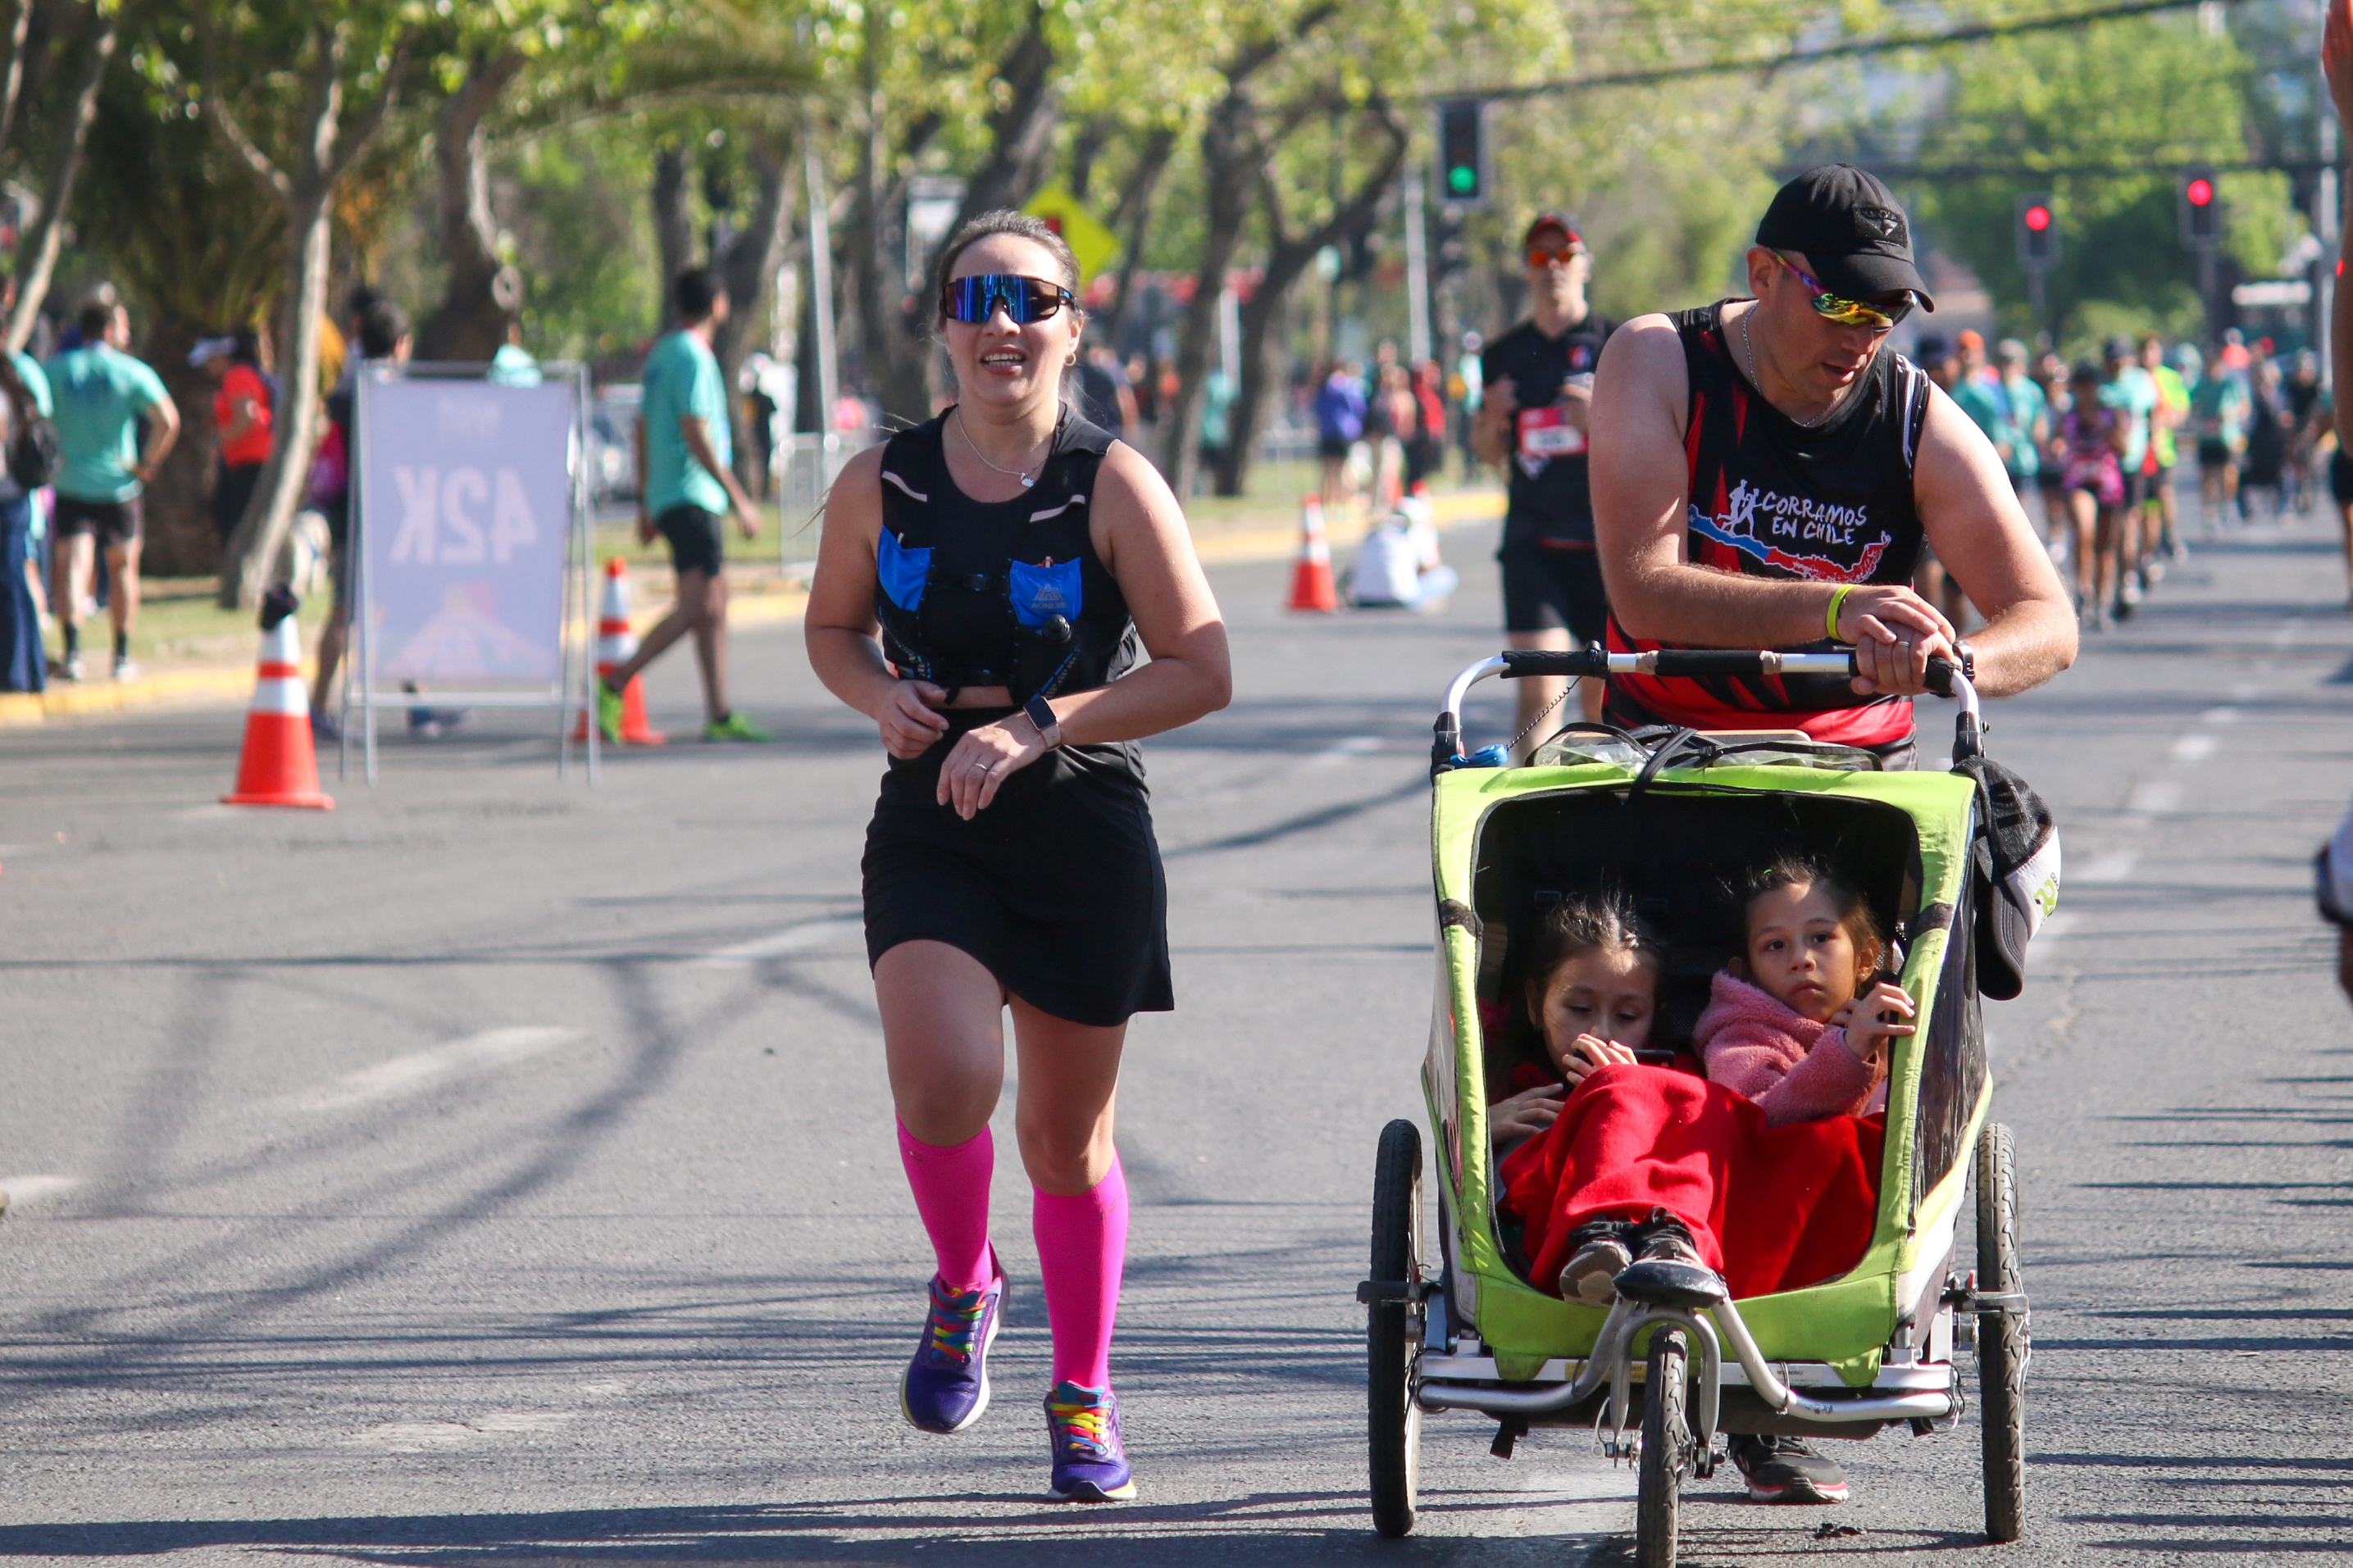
(1417,269)
(821,286)
(2327,223)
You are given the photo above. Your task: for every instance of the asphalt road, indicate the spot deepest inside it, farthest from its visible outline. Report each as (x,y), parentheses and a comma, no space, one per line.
(496,1170)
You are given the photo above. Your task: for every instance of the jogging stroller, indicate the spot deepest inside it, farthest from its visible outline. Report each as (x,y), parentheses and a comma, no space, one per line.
(1664,1375)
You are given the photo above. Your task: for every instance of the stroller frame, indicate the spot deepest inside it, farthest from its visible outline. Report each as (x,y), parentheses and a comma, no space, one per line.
(1425,1330)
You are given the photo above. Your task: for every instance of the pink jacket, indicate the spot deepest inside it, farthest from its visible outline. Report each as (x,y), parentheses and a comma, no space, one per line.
(1797,1069)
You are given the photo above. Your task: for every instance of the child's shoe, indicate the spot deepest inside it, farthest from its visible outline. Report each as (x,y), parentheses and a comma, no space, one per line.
(1601,1255)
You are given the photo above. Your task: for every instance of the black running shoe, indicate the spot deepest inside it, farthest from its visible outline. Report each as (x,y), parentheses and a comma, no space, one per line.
(1787,1469)
(1664,1238)
(1599,1256)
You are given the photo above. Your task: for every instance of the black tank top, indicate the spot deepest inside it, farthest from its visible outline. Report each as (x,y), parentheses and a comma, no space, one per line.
(1007,593)
(1770,498)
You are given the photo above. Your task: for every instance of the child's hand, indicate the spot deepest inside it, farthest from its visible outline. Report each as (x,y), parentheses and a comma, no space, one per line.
(1524,1114)
(1868,1027)
(1591,1051)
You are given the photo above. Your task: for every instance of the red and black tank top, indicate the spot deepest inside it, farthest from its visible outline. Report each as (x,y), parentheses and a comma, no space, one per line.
(1771,497)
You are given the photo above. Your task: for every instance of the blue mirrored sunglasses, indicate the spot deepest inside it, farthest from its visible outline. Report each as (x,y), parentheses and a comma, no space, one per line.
(1026,300)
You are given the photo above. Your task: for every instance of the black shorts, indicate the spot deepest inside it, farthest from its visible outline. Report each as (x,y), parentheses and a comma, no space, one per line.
(2215,455)
(1546,586)
(694,539)
(2340,478)
(231,491)
(1056,889)
(1332,449)
(114,522)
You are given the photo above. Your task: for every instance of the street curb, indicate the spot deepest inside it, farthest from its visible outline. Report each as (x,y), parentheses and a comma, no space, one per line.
(21,708)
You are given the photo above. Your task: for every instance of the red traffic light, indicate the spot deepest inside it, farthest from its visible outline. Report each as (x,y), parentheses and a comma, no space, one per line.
(2200,192)
(2036,217)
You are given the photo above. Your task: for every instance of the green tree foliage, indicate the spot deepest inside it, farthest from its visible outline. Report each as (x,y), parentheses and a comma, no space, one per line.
(2105,118)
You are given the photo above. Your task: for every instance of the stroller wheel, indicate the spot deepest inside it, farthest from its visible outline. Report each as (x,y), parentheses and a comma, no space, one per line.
(1666,1450)
(1393,1331)
(2001,1340)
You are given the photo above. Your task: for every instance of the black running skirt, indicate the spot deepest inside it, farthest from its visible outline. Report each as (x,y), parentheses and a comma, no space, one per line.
(1056,888)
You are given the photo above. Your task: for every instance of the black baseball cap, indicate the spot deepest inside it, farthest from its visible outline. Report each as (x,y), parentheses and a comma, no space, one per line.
(1849,229)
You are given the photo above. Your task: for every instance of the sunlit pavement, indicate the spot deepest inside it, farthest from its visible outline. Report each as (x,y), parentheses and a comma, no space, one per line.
(495,1169)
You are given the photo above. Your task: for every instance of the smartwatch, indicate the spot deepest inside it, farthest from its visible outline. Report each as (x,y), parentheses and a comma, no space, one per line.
(1040,714)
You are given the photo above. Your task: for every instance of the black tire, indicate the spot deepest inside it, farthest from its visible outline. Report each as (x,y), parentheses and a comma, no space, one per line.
(1393,1331)
(2001,1340)
(1666,1450)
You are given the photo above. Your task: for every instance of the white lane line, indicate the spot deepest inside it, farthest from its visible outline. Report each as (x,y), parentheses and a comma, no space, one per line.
(2115,866)
(420,1070)
(2194,747)
(2156,798)
(2219,716)
(426,1437)
(776,944)
(22,1189)
(1341,751)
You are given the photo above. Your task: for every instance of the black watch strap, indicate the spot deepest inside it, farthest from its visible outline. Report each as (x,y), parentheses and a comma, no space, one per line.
(1041,714)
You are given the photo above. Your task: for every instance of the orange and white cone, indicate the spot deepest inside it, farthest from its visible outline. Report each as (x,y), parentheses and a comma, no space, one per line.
(616,645)
(277,766)
(1312,587)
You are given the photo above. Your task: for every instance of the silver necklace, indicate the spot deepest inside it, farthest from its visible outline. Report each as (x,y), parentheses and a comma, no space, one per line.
(1748,353)
(1028,479)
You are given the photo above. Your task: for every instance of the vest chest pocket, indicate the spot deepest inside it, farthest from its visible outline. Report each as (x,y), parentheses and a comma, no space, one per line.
(901,571)
(1042,593)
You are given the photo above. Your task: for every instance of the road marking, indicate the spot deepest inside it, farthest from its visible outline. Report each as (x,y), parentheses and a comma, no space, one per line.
(2194,747)
(426,1437)
(22,1189)
(1341,751)
(2156,798)
(2113,867)
(2219,716)
(792,939)
(420,1070)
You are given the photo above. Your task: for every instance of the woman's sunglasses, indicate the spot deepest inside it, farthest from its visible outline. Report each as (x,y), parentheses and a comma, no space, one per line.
(1026,300)
(1845,311)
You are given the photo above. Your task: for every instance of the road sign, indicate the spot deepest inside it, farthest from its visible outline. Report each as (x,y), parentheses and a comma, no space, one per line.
(1090,241)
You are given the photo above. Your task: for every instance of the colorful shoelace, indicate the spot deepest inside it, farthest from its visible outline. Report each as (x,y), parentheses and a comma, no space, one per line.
(1084,1425)
(955,1323)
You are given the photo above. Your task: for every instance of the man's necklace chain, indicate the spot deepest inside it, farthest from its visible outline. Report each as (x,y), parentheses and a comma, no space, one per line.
(1748,353)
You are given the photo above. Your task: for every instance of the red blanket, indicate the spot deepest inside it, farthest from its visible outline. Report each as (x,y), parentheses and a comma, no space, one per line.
(1773,1208)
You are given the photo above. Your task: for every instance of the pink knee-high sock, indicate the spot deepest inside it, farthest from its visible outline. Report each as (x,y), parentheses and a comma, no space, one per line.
(952,1195)
(1081,1247)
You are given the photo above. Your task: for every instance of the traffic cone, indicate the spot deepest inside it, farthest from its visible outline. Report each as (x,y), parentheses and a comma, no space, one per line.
(277,766)
(616,643)
(1310,582)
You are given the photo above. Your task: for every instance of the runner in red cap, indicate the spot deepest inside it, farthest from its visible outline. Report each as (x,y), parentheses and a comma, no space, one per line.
(1532,424)
(1766,471)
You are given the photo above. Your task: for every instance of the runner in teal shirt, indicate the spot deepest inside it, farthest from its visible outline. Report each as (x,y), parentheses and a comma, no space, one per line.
(100,394)
(688,487)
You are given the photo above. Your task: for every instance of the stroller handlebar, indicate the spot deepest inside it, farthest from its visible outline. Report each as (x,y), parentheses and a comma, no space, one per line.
(1944,679)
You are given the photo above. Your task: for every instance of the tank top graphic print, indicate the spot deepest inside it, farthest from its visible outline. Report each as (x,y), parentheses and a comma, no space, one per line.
(1771,497)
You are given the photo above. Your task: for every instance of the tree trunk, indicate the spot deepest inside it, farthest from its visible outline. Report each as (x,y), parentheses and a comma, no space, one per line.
(1021,131)
(49,235)
(673,232)
(1230,154)
(1288,257)
(748,268)
(484,296)
(12,85)
(1132,221)
(252,549)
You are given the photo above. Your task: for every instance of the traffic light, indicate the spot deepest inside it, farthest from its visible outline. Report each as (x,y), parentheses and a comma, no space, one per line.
(1463,152)
(2201,210)
(2038,233)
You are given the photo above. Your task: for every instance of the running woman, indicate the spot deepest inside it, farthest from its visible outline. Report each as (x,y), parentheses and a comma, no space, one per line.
(1012,558)
(1764,471)
(1532,420)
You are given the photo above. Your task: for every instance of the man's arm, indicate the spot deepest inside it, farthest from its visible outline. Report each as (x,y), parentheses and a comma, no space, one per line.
(1641,502)
(1980,533)
(697,434)
(1491,428)
(166,417)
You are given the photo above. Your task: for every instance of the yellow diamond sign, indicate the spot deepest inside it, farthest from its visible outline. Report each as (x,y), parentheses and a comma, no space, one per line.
(1089,240)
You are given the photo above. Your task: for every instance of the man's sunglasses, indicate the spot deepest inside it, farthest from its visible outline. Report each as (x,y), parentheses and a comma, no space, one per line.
(1546,255)
(1846,312)
(1026,300)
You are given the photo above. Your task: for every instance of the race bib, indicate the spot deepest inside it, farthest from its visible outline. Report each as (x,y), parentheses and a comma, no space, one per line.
(1546,434)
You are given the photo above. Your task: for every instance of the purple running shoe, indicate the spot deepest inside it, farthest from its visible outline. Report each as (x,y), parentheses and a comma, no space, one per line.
(946,1386)
(1089,1464)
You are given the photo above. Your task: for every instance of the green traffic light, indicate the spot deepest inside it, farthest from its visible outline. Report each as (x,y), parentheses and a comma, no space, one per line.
(1461,179)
